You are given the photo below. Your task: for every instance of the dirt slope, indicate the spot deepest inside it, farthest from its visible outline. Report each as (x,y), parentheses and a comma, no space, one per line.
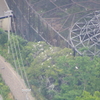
(14,81)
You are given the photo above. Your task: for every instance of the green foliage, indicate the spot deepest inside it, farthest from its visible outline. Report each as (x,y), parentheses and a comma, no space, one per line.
(3,37)
(1,31)
(83,49)
(3,42)
(87,96)
(80,73)
(54,73)
(4,90)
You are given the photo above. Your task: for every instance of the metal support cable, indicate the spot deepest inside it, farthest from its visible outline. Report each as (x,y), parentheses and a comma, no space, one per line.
(12,43)
(21,55)
(9,40)
(12,50)
(16,54)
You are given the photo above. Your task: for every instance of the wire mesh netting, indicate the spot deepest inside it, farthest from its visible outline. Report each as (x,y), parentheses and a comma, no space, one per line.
(73,23)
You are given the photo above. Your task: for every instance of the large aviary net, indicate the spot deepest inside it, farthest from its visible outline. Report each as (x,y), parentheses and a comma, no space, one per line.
(73,23)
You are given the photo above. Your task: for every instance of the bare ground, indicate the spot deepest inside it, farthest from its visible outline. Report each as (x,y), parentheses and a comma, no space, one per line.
(14,81)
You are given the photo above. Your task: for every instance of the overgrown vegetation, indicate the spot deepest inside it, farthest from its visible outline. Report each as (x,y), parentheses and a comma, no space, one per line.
(53,72)
(4,90)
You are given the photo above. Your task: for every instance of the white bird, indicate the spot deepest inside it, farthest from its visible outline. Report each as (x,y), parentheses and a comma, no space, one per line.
(76,67)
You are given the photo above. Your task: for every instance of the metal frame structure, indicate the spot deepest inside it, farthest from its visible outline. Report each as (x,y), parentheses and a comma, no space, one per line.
(53,20)
(85,35)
